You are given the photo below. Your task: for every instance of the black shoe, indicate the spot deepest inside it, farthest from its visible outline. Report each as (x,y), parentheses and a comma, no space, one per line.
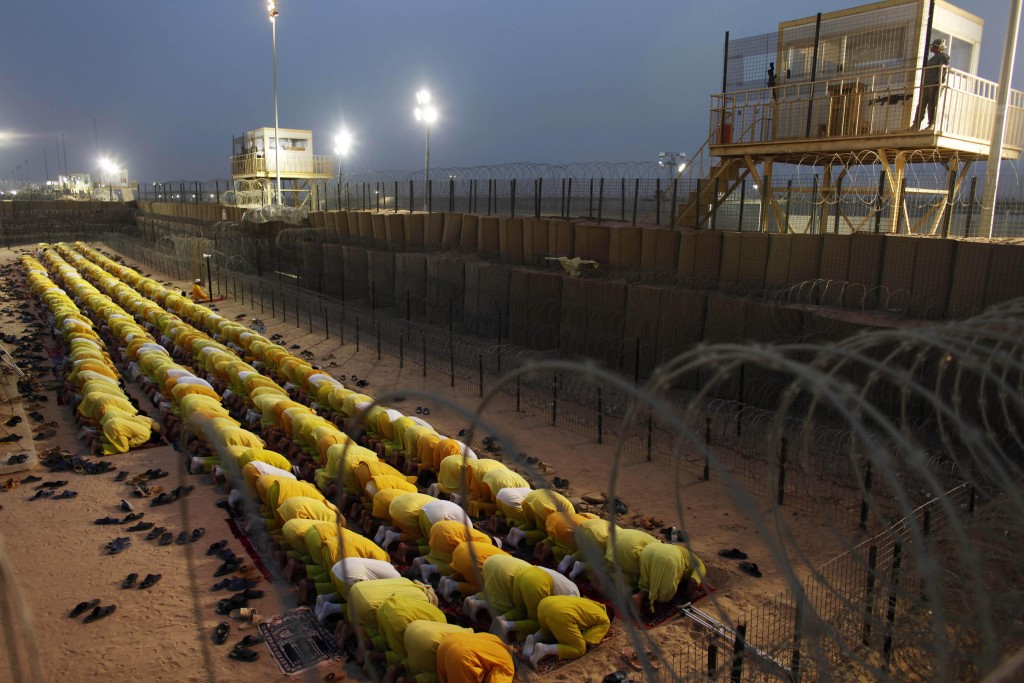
(141,526)
(150,580)
(229,567)
(129,581)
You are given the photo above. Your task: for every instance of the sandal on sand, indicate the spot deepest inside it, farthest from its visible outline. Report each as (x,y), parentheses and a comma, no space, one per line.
(630,656)
(249,640)
(244,613)
(732,553)
(99,612)
(220,634)
(129,581)
(182,538)
(166,538)
(750,568)
(155,533)
(244,654)
(82,607)
(214,547)
(253,622)
(150,580)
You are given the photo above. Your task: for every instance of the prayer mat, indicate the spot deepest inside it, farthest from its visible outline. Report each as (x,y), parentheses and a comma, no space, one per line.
(250,548)
(297,641)
(663,611)
(550,664)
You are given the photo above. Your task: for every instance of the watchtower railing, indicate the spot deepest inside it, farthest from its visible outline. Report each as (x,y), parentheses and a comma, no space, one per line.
(863,105)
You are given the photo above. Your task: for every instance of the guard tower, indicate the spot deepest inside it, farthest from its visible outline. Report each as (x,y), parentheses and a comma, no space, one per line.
(257,156)
(838,92)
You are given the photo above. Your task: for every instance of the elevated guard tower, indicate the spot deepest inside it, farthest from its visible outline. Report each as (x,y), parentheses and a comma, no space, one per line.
(838,92)
(257,156)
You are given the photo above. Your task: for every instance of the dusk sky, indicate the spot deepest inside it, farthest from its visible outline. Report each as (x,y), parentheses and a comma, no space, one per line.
(556,81)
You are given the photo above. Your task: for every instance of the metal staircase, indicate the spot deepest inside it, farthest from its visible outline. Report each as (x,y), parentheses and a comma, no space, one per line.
(709,191)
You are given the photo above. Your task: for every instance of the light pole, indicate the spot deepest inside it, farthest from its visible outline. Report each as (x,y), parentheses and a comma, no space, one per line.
(209,280)
(674,161)
(272,14)
(427,114)
(342,145)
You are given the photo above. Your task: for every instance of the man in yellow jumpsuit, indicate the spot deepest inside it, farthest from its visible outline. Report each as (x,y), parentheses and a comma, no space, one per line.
(467,568)
(663,566)
(624,550)
(422,639)
(197,292)
(363,600)
(394,616)
(444,538)
(567,626)
(474,658)
(529,587)
(349,571)
(499,571)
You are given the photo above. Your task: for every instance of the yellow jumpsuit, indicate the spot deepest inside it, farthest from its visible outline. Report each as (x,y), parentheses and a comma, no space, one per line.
(366,596)
(536,508)
(499,572)
(474,658)
(663,566)
(394,615)
(421,641)
(529,587)
(626,549)
(444,538)
(467,562)
(484,505)
(574,623)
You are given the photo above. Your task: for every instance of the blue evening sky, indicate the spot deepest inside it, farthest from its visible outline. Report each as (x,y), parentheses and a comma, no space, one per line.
(557,81)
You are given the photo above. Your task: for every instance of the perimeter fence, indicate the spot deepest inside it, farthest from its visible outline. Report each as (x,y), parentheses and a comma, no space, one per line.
(645,193)
(807,466)
(867,613)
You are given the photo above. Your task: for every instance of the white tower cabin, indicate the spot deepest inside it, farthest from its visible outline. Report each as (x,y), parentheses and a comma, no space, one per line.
(837,93)
(257,156)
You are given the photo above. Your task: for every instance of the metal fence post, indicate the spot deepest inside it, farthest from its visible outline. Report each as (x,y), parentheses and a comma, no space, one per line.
(657,201)
(424,356)
(378,341)
(636,198)
(869,595)
(672,212)
(890,615)
(970,206)
(736,673)
(554,399)
(451,359)
(600,200)
(480,381)
(949,204)
(512,186)
(878,202)
(864,497)
(650,436)
(401,350)
(783,448)
(600,417)
(517,393)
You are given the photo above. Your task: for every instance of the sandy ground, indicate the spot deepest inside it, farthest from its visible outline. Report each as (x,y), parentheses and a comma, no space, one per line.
(52,555)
